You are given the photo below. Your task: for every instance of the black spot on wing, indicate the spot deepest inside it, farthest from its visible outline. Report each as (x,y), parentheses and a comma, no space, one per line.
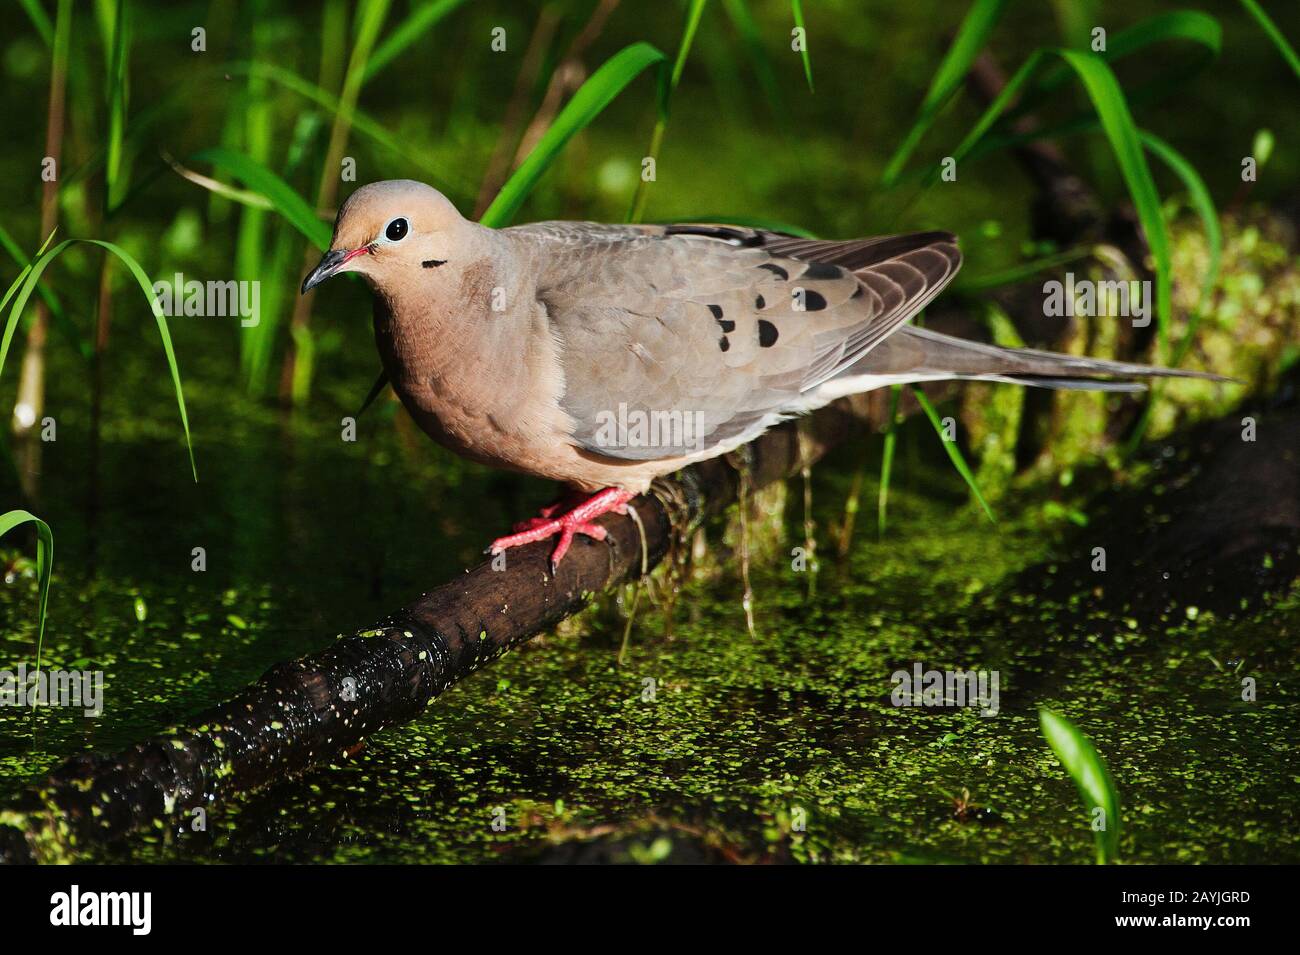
(723,343)
(775,270)
(813,301)
(760,302)
(767,333)
(822,270)
(745,237)
(726,324)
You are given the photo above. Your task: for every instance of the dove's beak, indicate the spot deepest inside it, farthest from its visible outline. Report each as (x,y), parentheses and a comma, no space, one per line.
(331,264)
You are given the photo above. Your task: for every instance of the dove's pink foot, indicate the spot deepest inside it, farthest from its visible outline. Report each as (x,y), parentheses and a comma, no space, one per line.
(576,521)
(570,500)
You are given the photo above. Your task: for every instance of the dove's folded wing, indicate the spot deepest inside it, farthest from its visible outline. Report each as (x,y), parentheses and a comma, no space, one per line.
(681,339)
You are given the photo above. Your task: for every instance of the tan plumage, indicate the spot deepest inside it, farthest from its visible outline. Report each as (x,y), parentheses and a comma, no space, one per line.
(518,347)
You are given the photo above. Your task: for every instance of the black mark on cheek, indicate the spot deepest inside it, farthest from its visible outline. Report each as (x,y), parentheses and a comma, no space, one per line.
(433,263)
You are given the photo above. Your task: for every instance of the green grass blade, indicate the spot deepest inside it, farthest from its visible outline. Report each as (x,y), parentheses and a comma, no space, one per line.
(1080,759)
(62,320)
(996,109)
(1018,273)
(142,279)
(115,167)
(1191,26)
(1117,122)
(419,22)
(693,15)
(796,8)
(592,97)
(971,38)
(13,288)
(29,285)
(954,453)
(296,210)
(44,565)
(1268,26)
(40,19)
(361,121)
(752,39)
(1201,200)
(887,459)
(1185,25)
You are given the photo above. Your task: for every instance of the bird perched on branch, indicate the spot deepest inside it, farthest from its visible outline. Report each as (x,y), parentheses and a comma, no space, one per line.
(604,356)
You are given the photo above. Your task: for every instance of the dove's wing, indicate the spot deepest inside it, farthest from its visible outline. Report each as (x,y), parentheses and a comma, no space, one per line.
(681,339)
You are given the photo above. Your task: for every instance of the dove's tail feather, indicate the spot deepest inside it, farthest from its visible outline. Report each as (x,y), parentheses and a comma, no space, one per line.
(917,354)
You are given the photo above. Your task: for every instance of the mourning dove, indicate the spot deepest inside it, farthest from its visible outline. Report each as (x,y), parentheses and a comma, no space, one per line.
(604,356)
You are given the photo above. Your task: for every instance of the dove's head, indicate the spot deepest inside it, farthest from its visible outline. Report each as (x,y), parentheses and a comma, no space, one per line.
(391,232)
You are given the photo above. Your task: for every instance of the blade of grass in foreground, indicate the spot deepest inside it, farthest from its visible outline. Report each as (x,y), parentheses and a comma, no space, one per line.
(1122,133)
(1268,26)
(954,453)
(796,8)
(1200,199)
(1108,99)
(62,320)
(1019,273)
(752,39)
(592,97)
(29,285)
(296,210)
(40,20)
(887,459)
(407,32)
(1080,759)
(1184,26)
(361,121)
(115,176)
(665,98)
(13,288)
(971,38)
(44,564)
(1188,26)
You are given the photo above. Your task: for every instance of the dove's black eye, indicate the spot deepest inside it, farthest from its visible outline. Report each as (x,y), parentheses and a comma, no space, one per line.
(396,230)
